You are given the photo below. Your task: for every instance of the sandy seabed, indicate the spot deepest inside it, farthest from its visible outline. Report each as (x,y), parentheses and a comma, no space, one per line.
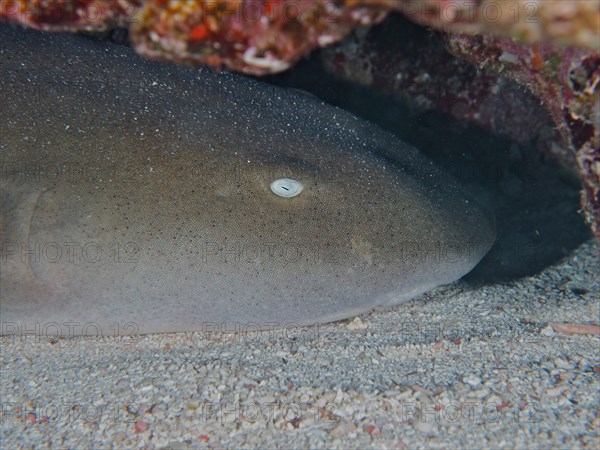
(462,366)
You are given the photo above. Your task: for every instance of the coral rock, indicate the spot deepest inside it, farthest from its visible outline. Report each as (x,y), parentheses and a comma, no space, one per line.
(267,36)
(567,81)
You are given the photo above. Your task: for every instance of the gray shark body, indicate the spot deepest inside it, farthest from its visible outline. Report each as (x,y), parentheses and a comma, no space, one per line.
(136,198)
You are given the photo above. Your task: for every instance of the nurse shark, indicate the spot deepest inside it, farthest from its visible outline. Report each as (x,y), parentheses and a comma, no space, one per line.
(143,197)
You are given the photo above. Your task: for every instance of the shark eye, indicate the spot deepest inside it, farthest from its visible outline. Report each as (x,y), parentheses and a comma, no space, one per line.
(286,187)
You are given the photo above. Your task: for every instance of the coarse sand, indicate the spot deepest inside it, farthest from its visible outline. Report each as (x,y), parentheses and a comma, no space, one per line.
(463,366)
